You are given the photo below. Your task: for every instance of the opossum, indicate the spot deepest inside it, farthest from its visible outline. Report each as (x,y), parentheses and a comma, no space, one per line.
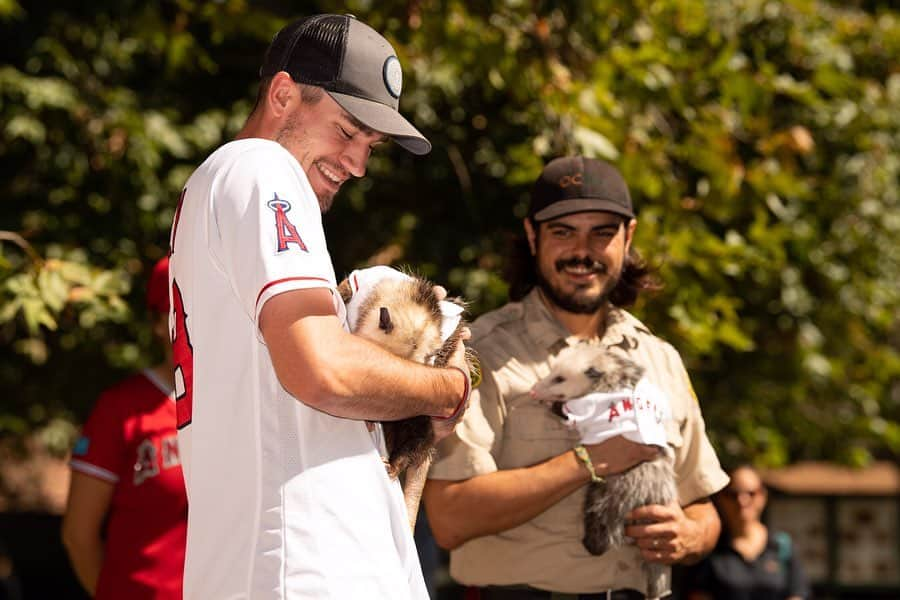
(404,317)
(577,371)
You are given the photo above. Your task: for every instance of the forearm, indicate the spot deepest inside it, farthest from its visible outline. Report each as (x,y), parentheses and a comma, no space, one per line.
(86,557)
(87,505)
(325,367)
(350,377)
(459,511)
(704,516)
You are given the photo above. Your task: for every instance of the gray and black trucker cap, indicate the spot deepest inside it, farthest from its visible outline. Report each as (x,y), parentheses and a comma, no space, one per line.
(577,184)
(354,64)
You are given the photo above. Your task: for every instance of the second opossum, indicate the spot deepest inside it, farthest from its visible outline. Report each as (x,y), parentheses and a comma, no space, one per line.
(577,371)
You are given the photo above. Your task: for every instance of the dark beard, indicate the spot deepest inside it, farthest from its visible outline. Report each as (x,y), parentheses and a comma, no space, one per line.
(571,303)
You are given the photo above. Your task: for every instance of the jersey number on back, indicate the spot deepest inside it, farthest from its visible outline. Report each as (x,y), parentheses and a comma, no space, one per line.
(183,352)
(184,361)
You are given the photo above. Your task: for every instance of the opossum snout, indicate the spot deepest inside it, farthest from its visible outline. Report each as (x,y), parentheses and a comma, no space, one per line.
(545,396)
(384,320)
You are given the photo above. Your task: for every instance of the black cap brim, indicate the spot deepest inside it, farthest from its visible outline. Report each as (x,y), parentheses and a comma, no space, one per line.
(384,119)
(577,205)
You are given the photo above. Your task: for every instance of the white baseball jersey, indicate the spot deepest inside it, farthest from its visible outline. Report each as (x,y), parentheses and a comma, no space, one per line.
(285,501)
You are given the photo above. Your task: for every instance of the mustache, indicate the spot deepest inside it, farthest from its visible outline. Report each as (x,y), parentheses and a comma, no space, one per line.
(586,262)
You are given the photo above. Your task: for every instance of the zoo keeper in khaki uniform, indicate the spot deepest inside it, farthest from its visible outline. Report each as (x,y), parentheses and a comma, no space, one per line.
(506,493)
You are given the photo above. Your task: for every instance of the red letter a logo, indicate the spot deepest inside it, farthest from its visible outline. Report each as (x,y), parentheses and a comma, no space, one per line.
(286,231)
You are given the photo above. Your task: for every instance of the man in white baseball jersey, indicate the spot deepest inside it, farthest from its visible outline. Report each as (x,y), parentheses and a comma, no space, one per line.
(288,495)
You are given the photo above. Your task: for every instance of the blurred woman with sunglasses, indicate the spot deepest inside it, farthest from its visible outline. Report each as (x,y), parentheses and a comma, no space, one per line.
(750,561)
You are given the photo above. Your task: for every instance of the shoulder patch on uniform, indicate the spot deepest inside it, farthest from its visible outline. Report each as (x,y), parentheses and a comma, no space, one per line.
(81,446)
(284,229)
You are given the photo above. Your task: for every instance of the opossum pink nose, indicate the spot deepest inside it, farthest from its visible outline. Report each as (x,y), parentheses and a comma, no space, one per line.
(384,320)
(532,393)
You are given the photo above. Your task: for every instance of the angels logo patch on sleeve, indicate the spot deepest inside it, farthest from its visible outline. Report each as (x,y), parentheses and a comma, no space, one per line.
(284,229)
(81,446)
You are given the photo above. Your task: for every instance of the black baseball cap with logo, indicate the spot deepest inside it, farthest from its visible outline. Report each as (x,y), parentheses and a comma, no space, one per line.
(577,184)
(354,64)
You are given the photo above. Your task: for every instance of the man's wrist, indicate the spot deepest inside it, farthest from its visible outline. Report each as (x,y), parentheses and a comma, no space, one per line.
(584,456)
(463,401)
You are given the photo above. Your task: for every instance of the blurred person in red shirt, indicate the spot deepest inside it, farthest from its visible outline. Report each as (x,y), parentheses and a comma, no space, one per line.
(125,523)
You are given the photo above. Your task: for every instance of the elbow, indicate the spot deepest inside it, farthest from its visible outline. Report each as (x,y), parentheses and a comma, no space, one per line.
(714,530)
(313,384)
(446,530)
(73,538)
(446,537)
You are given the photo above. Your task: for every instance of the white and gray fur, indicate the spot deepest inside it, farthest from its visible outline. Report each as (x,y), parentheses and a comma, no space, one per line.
(577,371)
(404,317)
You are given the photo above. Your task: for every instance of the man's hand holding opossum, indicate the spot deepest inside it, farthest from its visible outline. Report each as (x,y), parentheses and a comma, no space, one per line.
(460,360)
(410,317)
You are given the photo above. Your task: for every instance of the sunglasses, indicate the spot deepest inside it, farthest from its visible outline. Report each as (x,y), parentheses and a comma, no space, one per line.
(735,494)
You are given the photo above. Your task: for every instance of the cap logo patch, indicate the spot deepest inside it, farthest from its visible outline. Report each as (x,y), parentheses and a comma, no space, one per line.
(393,76)
(567,180)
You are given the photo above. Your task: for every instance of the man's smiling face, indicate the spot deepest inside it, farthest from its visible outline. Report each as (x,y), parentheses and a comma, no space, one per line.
(579,257)
(330,145)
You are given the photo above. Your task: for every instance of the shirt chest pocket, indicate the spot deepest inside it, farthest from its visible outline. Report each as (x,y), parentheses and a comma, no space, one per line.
(532,434)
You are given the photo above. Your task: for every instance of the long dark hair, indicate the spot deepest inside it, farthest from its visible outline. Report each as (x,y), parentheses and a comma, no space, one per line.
(637,275)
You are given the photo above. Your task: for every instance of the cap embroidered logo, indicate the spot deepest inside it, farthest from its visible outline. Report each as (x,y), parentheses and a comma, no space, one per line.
(567,180)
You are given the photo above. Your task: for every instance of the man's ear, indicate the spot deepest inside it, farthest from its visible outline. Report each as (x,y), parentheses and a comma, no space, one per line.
(629,233)
(282,90)
(530,234)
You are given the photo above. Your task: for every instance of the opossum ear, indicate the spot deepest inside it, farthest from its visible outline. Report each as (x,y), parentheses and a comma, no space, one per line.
(345,290)
(593,373)
(384,320)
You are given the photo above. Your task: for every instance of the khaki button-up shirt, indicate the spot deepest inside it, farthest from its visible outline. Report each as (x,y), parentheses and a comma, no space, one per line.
(505,428)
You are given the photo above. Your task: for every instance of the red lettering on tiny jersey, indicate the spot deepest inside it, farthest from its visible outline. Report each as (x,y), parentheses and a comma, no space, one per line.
(175,222)
(626,404)
(287,233)
(613,413)
(183,354)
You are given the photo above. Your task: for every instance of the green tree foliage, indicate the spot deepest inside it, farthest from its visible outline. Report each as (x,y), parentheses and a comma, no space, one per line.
(761,140)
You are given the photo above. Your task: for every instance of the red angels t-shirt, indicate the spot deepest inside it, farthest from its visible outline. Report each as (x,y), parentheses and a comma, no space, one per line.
(130,441)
